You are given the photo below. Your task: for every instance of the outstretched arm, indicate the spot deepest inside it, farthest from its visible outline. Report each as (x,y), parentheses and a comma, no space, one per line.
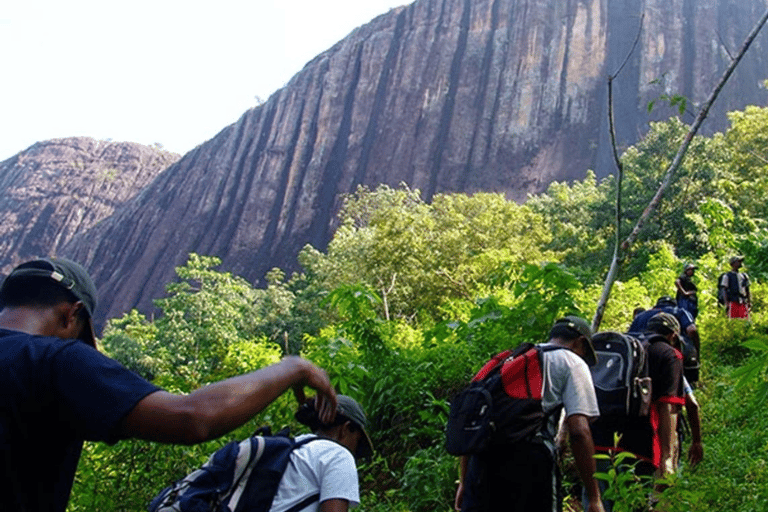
(584,454)
(218,408)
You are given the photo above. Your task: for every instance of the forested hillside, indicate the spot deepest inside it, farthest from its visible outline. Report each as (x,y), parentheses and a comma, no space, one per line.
(410,298)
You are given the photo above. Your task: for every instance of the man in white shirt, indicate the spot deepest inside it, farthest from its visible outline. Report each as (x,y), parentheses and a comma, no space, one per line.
(322,475)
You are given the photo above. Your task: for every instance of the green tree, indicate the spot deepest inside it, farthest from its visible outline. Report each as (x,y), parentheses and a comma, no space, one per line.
(579,217)
(419,256)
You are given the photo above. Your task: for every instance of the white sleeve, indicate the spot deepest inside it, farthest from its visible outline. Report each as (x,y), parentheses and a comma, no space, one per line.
(579,391)
(338,478)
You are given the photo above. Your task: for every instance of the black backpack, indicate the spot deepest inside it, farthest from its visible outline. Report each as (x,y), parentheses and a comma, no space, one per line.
(691,364)
(731,292)
(239,477)
(621,376)
(501,406)
(721,291)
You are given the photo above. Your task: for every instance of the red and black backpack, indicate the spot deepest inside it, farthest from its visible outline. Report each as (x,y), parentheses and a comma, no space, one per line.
(502,404)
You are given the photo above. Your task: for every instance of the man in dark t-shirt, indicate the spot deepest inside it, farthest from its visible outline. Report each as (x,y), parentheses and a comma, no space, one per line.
(652,439)
(60,393)
(686,295)
(58,390)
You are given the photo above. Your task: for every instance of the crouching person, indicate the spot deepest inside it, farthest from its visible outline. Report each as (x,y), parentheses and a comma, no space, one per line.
(323,472)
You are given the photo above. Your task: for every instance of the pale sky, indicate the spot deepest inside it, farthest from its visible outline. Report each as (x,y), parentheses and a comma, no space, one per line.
(173,72)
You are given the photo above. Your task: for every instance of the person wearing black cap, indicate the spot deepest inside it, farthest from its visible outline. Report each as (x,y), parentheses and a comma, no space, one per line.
(688,329)
(686,296)
(59,390)
(524,476)
(326,467)
(653,438)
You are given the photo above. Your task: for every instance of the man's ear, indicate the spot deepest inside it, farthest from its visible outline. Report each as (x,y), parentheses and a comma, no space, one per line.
(578,345)
(69,319)
(348,429)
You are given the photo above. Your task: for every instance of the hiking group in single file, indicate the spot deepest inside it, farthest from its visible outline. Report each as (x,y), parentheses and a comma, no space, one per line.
(605,393)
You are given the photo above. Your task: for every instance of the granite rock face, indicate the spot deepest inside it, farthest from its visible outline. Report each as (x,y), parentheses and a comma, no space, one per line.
(444,95)
(58,188)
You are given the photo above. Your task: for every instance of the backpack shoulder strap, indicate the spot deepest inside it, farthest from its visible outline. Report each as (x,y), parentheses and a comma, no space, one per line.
(304,503)
(256,488)
(523,348)
(313,497)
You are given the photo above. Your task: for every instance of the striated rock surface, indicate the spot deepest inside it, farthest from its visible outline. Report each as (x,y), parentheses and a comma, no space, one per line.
(58,188)
(445,95)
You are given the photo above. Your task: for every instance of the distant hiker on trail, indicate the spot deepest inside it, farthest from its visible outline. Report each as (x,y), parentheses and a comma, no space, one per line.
(59,390)
(523,475)
(686,291)
(733,290)
(651,438)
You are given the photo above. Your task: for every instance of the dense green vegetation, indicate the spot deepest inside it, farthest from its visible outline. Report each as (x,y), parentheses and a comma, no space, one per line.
(410,298)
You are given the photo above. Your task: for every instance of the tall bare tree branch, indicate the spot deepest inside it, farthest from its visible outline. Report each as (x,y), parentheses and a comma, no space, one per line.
(619,179)
(673,166)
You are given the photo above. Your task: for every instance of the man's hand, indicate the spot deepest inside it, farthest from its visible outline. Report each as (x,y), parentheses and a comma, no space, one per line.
(317,379)
(695,453)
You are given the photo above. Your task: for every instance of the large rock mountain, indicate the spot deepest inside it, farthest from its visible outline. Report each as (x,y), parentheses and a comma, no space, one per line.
(444,95)
(58,188)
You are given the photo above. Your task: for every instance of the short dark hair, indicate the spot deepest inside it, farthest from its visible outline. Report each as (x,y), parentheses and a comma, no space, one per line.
(36,292)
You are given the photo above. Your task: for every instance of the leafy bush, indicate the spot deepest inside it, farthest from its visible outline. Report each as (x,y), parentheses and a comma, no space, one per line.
(429,480)
(723,339)
(734,473)
(627,490)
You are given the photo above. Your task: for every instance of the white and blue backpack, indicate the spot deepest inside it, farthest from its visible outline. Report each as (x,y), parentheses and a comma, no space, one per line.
(239,477)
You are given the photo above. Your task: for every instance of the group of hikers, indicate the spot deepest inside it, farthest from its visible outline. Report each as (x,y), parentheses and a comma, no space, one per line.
(604,408)
(61,389)
(732,290)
